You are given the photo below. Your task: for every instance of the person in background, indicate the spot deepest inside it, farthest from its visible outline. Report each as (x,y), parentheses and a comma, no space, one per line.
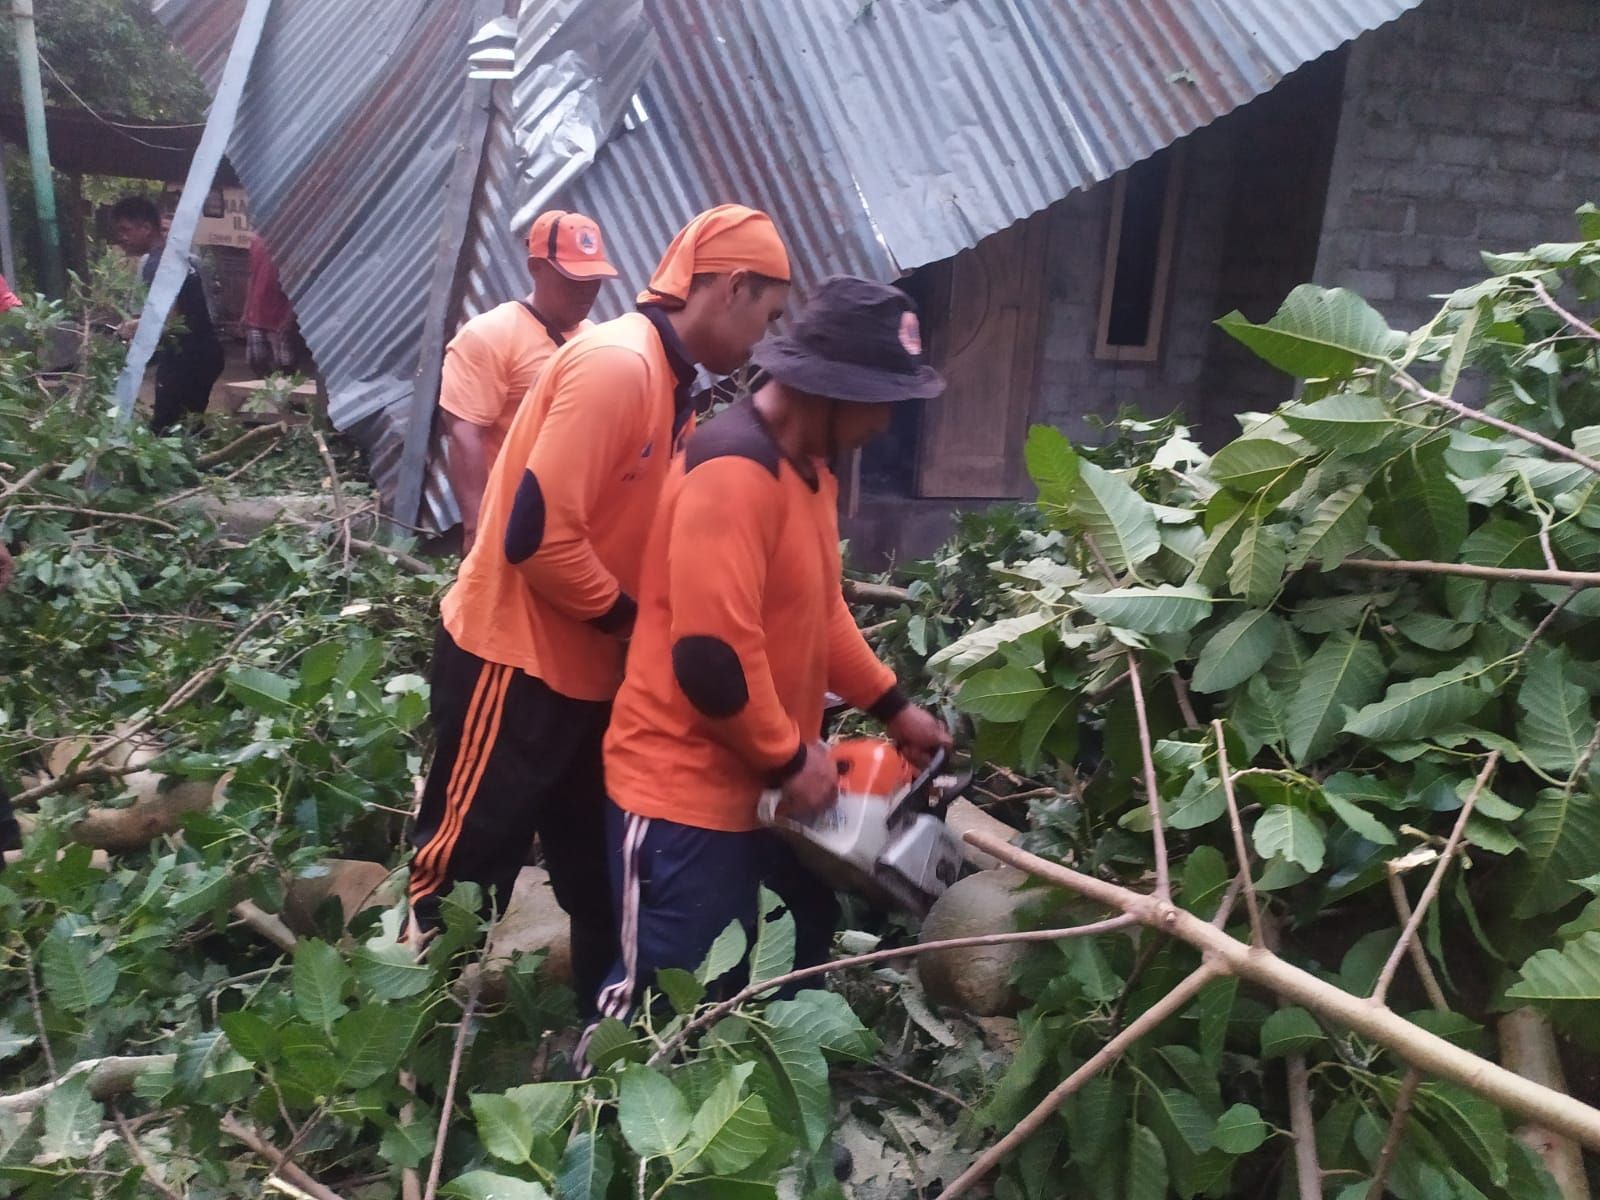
(189,359)
(742,630)
(8,298)
(271,343)
(495,359)
(534,630)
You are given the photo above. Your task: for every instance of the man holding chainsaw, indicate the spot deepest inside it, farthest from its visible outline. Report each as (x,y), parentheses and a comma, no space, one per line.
(535,629)
(742,629)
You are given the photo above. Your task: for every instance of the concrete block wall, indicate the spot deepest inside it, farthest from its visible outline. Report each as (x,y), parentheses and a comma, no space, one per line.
(1466,125)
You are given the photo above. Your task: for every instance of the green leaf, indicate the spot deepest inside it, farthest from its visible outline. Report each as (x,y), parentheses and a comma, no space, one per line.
(1556,724)
(390,970)
(1252,463)
(1345,672)
(1318,333)
(372,1040)
(611,1041)
(1003,694)
(545,1105)
(491,1185)
(251,1035)
(1147,1166)
(406,1146)
(1092,1116)
(1215,1007)
(1240,1130)
(1426,514)
(209,1069)
(1237,651)
(1358,819)
(774,950)
(1040,721)
(1188,1117)
(1201,802)
(1560,834)
(1165,608)
(1052,464)
(731,1130)
(1469,1127)
(726,953)
(977,646)
(1119,520)
(1257,569)
(1288,833)
(503,1128)
(682,989)
(586,1168)
(71,1121)
(1205,878)
(1347,423)
(76,976)
(794,1034)
(259,689)
(1337,529)
(1571,972)
(1289,1031)
(652,1112)
(1419,707)
(319,980)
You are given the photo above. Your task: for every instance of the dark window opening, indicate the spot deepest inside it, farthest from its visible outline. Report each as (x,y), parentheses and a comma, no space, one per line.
(1139,259)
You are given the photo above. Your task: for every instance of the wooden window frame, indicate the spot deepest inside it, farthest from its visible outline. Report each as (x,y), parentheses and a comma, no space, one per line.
(1160,292)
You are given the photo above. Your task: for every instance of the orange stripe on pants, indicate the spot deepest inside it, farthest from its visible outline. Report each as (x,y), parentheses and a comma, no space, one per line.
(426,867)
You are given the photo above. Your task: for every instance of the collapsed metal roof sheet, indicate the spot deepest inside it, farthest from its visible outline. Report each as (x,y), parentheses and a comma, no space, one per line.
(880,134)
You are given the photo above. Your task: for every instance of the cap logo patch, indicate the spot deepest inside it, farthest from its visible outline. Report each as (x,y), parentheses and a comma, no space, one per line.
(586,241)
(910,333)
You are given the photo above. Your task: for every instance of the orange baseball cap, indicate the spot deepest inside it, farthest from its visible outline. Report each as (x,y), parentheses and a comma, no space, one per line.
(571,243)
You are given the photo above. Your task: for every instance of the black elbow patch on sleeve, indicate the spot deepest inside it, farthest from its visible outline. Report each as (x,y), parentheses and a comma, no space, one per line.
(709,672)
(619,617)
(525,529)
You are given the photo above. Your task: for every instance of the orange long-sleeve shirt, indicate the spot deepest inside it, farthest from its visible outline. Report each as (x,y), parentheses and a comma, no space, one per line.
(549,584)
(742,628)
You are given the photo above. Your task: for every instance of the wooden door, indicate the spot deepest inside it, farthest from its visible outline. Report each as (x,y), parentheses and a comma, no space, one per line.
(984,315)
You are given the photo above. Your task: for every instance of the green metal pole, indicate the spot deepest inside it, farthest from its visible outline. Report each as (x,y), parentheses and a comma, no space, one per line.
(44,190)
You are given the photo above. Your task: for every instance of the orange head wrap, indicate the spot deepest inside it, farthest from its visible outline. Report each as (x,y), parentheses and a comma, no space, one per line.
(720,240)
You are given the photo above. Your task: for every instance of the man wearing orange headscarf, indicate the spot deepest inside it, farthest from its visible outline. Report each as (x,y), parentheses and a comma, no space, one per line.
(535,628)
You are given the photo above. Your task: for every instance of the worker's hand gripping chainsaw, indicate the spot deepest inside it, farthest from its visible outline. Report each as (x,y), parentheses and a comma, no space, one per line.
(886,836)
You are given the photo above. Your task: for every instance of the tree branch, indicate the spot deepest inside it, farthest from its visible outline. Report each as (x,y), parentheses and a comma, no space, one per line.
(1406,383)
(882,594)
(1152,789)
(111,1076)
(1303,1130)
(1409,933)
(136,1152)
(1549,301)
(1397,1129)
(239,444)
(1413,1044)
(298,1176)
(1257,934)
(463,1036)
(1419,956)
(1175,1000)
(136,518)
(722,1009)
(1404,566)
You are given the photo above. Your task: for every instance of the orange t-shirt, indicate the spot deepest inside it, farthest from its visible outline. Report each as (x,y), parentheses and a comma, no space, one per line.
(549,584)
(742,628)
(492,362)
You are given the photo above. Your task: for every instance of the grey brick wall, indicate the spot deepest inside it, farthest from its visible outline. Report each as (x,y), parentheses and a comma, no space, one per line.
(1466,125)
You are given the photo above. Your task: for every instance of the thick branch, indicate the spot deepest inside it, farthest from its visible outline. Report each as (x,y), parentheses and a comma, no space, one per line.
(108,1077)
(1415,1045)
(1169,1005)
(882,594)
(243,1134)
(266,925)
(1303,1129)
(717,1012)
(1451,846)
(239,445)
(1404,566)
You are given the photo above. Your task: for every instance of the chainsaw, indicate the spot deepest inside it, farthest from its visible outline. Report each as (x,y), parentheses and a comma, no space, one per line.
(885,837)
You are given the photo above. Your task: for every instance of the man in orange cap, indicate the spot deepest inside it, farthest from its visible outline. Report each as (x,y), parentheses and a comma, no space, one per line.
(534,630)
(495,358)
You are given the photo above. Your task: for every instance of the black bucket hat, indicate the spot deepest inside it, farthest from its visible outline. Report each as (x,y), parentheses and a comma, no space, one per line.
(854,340)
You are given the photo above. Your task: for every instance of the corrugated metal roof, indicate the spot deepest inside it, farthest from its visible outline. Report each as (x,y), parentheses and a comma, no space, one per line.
(890,133)
(880,134)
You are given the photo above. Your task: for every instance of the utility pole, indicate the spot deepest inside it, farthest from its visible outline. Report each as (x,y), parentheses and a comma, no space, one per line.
(44,191)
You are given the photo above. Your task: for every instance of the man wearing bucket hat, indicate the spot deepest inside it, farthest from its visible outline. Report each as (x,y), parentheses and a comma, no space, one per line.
(534,630)
(742,628)
(496,357)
